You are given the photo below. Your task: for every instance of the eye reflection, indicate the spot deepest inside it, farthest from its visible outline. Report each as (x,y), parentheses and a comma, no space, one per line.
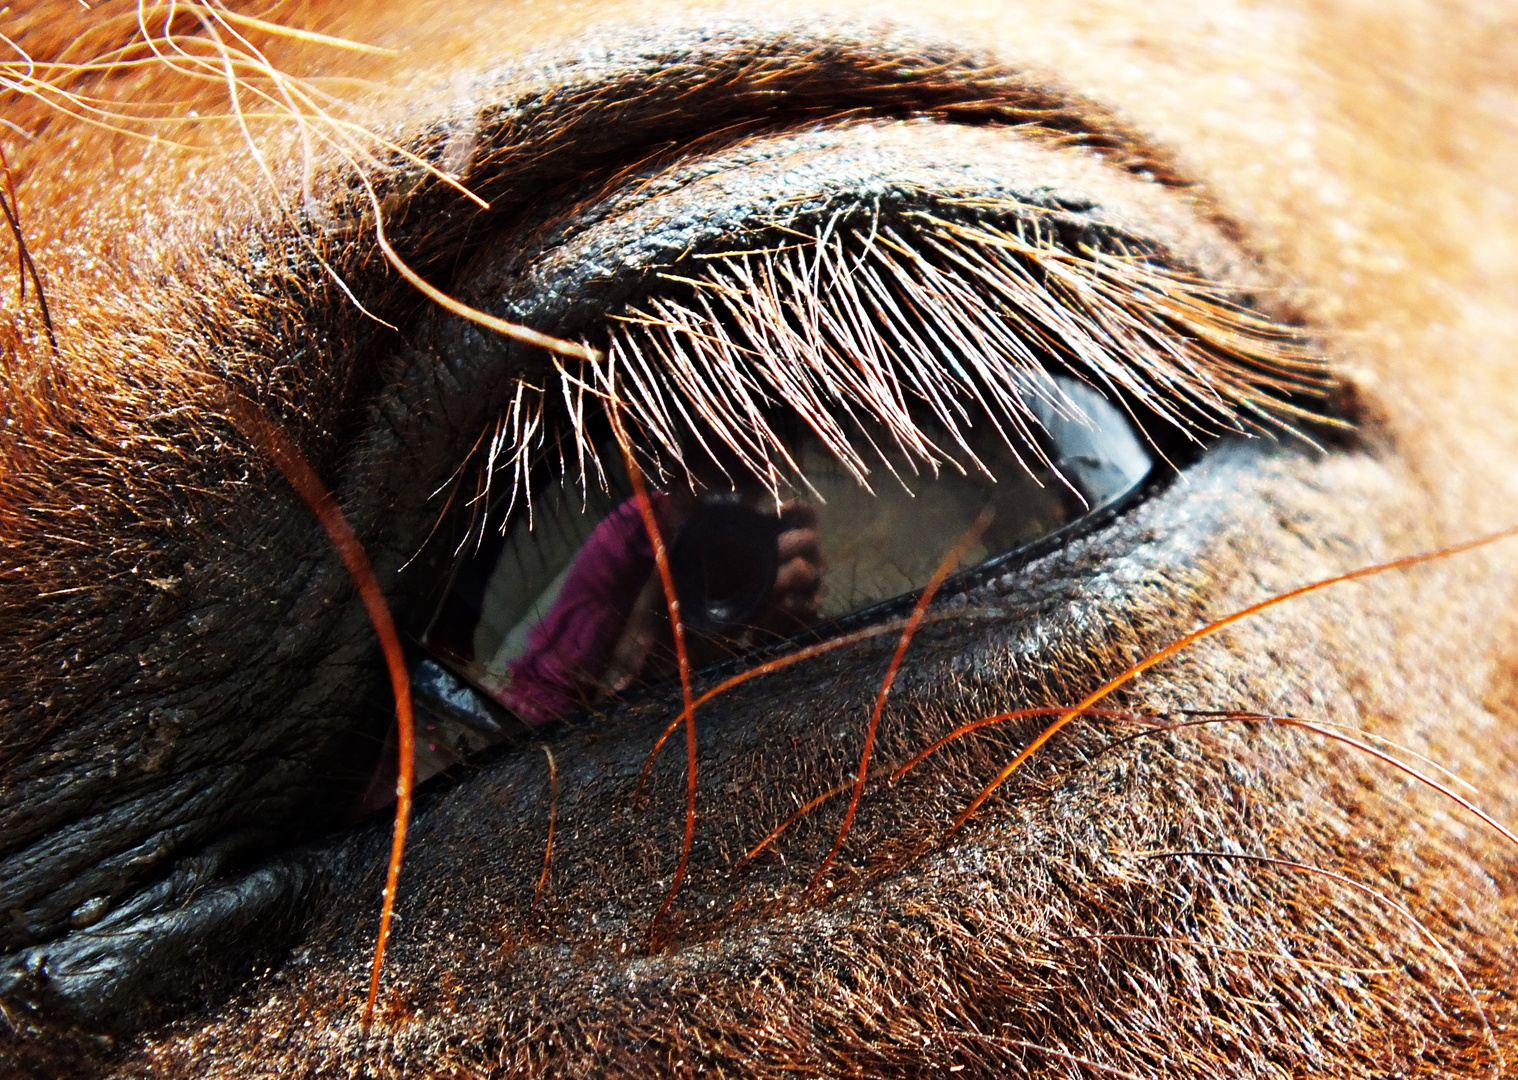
(567,610)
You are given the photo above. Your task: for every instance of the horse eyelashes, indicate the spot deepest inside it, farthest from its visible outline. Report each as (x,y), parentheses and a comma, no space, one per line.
(823,417)
(959,320)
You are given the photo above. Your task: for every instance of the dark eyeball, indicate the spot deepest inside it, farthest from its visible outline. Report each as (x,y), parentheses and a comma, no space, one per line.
(563,608)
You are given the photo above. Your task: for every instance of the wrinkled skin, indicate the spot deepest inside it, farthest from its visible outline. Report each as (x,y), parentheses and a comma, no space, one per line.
(192,697)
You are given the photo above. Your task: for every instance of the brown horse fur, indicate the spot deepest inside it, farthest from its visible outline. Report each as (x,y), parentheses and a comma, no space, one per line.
(188,677)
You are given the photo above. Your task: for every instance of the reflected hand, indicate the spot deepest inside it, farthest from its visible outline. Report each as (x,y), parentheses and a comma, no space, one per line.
(799,589)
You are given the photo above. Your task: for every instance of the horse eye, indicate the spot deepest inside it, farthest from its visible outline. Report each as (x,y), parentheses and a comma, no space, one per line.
(564,608)
(826,390)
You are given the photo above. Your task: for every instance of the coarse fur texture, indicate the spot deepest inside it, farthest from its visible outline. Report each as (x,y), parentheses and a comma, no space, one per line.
(1251,219)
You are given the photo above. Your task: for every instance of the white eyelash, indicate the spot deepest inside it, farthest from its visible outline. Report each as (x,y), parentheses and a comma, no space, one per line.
(855,329)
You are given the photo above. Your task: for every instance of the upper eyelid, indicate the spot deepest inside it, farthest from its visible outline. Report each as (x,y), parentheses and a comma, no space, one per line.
(679,92)
(484,469)
(581,124)
(587,260)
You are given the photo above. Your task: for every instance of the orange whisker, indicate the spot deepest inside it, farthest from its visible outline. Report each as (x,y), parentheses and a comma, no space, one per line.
(801,811)
(553,812)
(1345,736)
(1454,777)
(682,659)
(1002,718)
(273,443)
(516,332)
(945,567)
(25,267)
(311,36)
(766,668)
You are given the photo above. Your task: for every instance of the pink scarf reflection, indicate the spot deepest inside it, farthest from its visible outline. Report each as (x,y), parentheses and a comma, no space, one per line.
(569,651)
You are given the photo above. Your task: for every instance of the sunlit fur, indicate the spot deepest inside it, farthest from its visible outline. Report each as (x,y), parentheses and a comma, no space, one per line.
(1264,902)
